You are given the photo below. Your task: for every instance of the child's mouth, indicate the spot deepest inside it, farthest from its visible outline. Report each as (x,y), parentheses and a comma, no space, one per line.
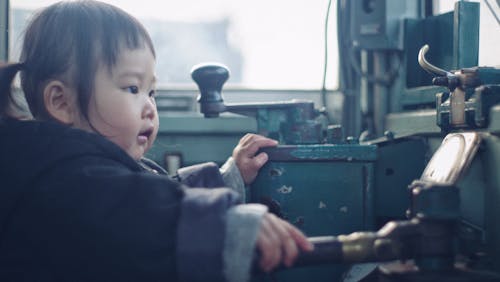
(144,136)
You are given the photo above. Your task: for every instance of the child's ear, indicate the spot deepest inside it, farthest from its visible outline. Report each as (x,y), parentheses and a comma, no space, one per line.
(60,102)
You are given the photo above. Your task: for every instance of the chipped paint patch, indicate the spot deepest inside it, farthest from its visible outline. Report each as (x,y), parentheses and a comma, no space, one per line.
(322,205)
(275,172)
(285,189)
(299,221)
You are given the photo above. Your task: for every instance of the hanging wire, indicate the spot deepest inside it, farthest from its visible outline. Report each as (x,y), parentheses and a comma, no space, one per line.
(325,64)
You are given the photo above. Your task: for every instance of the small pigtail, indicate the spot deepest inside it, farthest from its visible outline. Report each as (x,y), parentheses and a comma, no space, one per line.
(7,74)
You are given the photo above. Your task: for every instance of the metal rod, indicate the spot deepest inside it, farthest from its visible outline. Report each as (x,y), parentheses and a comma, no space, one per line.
(428,66)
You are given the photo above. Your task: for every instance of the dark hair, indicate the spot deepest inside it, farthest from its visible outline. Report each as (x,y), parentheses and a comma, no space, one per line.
(67,41)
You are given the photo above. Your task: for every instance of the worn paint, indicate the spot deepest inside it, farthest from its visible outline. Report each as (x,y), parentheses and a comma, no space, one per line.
(285,189)
(322,205)
(335,152)
(299,221)
(275,172)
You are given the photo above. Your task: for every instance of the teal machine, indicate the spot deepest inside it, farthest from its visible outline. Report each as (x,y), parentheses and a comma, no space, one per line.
(409,179)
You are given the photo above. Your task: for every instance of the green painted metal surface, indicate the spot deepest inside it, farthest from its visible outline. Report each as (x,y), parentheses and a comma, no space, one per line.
(189,122)
(490,159)
(412,123)
(465,35)
(289,122)
(494,125)
(399,162)
(323,152)
(323,190)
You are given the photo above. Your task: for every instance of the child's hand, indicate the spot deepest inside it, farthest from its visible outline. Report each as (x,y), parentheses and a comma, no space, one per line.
(278,242)
(244,155)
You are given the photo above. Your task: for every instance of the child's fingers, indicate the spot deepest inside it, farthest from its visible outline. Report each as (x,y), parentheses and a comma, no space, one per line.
(249,138)
(299,238)
(245,139)
(269,245)
(288,245)
(251,143)
(260,160)
(245,156)
(279,241)
(258,143)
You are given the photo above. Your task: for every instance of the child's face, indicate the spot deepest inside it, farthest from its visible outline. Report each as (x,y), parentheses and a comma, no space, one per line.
(123,106)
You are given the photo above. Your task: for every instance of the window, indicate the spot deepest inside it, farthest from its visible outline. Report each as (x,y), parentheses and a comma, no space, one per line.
(276,44)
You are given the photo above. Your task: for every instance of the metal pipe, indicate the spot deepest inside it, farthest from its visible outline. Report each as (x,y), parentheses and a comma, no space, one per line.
(380,93)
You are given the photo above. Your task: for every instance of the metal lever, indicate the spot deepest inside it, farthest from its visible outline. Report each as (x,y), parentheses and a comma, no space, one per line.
(444,78)
(428,66)
(396,240)
(290,122)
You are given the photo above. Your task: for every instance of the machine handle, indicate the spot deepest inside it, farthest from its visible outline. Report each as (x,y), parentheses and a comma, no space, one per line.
(428,66)
(357,247)
(327,249)
(210,77)
(444,78)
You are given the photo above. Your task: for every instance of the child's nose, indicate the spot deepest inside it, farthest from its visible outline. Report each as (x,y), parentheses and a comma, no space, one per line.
(149,110)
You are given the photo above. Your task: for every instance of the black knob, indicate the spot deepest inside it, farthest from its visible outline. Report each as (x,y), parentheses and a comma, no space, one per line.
(440,81)
(210,77)
(451,81)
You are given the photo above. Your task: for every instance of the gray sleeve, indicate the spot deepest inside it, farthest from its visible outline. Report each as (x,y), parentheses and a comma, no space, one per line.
(201,232)
(232,177)
(242,228)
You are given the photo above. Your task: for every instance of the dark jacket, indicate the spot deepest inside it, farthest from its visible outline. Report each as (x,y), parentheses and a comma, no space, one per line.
(206,175)
(75,207)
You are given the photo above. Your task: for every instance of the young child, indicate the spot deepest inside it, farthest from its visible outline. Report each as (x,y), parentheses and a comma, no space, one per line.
(78,202)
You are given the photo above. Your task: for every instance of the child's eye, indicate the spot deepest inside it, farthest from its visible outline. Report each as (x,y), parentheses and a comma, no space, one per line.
(152,93)
(132,89)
